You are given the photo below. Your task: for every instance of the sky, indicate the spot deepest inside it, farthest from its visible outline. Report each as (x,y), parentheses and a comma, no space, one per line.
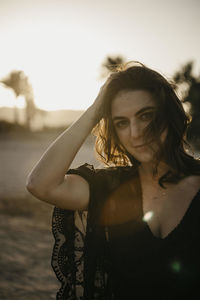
(61,44)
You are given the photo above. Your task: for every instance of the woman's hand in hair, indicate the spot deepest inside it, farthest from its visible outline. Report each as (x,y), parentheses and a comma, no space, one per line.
(98,104)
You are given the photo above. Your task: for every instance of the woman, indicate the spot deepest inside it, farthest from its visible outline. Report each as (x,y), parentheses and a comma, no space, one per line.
(142,209)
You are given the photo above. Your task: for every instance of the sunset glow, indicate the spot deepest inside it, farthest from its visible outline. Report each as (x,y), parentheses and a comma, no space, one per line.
(60,45)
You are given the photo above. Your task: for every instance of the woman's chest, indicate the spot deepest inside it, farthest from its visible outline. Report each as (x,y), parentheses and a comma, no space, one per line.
(164,209)
(161,209)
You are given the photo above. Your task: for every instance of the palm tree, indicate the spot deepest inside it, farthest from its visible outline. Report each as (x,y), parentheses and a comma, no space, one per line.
(110,63)
(18,82)
(192,96)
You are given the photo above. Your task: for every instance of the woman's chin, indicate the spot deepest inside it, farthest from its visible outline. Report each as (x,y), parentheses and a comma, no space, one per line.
(143,157)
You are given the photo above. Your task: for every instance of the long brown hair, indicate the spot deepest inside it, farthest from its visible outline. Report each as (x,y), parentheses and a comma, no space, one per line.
(169,115)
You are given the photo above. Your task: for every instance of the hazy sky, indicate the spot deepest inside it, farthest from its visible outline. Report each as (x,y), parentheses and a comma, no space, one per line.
(61,44)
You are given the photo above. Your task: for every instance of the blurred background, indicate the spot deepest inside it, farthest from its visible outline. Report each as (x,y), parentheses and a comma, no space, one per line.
(54,57)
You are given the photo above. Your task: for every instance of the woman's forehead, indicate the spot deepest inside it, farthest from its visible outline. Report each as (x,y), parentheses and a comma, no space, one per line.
(128,100)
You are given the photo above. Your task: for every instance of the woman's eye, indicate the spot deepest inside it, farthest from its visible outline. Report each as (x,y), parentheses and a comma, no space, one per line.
(121,124)
(147,116)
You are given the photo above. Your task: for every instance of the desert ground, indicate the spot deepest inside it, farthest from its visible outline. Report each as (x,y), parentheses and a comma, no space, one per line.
(25,222)
(26,240)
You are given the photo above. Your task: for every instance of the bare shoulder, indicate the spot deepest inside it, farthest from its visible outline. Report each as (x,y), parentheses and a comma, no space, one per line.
(188,187)
(193,181)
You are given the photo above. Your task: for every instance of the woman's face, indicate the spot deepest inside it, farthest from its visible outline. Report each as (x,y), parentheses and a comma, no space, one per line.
(132,111)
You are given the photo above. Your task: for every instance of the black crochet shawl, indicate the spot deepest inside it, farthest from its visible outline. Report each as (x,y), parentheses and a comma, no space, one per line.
(79,257)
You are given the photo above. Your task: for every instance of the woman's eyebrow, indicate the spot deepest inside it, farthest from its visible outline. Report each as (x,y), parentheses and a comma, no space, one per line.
(144,109)
(137,113)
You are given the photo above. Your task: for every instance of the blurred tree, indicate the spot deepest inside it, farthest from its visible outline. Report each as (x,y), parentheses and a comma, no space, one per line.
(191,95)
(19,83)
(110,63)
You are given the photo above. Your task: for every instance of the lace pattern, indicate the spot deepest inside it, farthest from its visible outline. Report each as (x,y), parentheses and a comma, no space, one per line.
(69,229)
(79,259)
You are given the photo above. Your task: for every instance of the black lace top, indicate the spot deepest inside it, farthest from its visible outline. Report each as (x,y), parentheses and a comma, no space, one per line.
(119,258)
(79,257)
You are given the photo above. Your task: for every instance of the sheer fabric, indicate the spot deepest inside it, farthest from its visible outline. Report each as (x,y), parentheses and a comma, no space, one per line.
(80,259)
(84,261)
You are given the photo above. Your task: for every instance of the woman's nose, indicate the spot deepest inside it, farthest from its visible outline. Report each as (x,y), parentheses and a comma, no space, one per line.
(135,130)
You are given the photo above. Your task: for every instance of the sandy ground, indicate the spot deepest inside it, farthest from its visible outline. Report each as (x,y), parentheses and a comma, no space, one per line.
(25,222)
(25,260)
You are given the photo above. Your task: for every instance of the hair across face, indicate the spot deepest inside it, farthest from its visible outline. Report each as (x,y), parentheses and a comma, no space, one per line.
(132,112)
(169,115)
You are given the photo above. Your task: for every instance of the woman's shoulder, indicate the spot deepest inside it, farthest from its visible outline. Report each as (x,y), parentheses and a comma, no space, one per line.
(107,170)
(111,175)
(104,168)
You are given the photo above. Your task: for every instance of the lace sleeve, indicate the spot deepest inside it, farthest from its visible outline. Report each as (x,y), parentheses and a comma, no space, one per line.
(79,257)
(69,229)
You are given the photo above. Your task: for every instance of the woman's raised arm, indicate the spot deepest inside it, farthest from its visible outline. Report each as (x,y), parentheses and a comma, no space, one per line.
(48,180)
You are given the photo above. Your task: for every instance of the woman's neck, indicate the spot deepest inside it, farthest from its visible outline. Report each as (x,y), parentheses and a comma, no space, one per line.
(147,171)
